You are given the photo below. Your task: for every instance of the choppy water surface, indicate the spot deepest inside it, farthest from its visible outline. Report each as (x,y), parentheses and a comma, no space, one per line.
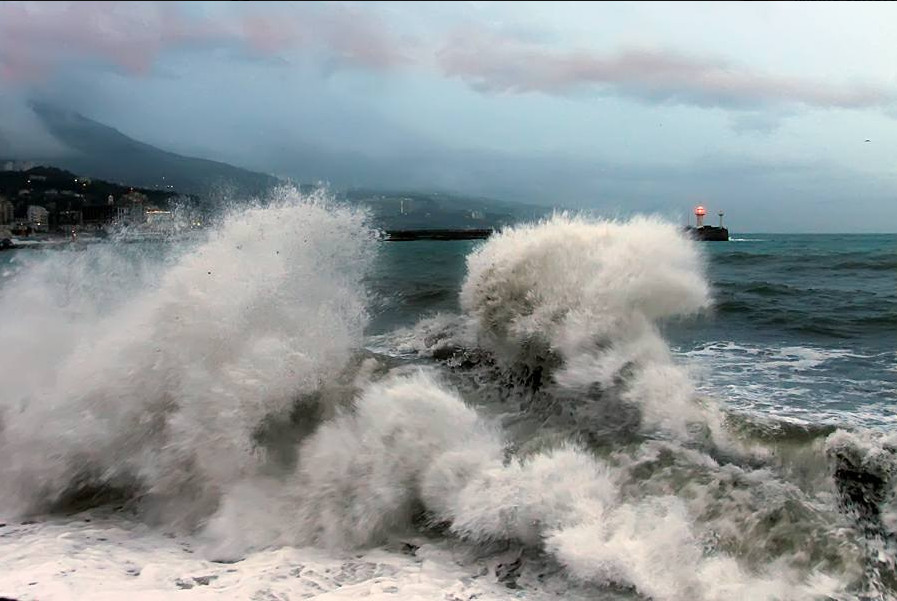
(577,407)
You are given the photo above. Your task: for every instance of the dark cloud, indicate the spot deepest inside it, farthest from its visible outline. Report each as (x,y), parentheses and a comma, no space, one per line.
(36,39)
(39,39)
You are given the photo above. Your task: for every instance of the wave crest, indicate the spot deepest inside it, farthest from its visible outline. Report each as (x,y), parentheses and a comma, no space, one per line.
(167,391)
(581,300)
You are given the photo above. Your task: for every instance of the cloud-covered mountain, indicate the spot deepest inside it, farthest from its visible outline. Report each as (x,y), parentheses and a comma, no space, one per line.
(87,147)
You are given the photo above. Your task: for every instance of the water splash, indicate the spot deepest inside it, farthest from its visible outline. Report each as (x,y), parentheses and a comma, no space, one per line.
(166,390)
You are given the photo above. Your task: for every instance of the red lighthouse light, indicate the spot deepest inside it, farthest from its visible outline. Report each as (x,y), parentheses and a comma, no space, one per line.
(700,211)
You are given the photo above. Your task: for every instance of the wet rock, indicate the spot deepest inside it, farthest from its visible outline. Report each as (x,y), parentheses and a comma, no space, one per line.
(863,485)
(507,573)
(444,353)
(296,572)
(409,549)
(227,560)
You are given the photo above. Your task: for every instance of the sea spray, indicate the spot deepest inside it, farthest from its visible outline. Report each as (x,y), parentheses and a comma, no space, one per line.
(411,446)
(581,299)
(560,325)
(572,432)
(166,391)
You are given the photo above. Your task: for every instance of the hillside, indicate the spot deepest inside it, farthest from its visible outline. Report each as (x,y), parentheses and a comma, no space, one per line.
(100,151)
(110,158)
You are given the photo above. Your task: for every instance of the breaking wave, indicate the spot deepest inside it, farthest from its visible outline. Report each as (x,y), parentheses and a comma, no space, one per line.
(580,301)
(165,391)
(560,331)
(227,390)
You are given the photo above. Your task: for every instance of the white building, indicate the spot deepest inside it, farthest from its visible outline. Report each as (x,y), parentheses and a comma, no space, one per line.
(39,218)
(135,203)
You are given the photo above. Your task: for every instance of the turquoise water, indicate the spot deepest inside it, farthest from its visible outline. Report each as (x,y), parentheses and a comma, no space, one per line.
(157,372)
(803,326)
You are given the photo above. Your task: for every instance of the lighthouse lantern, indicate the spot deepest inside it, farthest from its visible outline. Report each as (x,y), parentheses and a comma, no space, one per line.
(700,211)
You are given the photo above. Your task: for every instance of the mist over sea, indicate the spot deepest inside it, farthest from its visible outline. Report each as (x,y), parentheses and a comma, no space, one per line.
(576,408)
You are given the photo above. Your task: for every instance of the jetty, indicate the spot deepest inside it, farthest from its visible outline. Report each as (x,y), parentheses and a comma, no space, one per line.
(707,233)
(442,234)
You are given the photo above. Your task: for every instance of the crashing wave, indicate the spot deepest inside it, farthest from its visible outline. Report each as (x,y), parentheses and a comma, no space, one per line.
(410,449)
(226,388)
(576,304)
(166,391)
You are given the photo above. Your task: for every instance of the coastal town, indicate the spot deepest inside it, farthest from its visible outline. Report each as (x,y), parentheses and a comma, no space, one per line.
(40,204)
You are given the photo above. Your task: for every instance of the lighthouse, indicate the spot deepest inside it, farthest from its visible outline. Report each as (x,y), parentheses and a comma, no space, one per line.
(707,232)
(700,211)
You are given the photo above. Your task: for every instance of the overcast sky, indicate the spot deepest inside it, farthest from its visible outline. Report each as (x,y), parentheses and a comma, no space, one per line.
(759,109)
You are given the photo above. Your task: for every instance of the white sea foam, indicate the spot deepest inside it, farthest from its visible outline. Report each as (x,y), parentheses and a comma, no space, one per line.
(592,292)
(573,504)
(806,383)
(411,445)
(107,558)
(168,388)
(166,383)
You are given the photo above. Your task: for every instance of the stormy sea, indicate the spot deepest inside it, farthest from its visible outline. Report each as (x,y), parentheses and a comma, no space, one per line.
(575,408)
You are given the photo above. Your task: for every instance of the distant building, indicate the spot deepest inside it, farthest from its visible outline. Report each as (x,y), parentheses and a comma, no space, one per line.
(135,203)
(38,218)
(7,211)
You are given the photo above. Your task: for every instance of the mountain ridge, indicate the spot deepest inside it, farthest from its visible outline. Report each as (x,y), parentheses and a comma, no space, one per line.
(96,150)
(101,151)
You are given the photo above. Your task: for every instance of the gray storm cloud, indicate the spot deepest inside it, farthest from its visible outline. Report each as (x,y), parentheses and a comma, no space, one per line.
(495,64)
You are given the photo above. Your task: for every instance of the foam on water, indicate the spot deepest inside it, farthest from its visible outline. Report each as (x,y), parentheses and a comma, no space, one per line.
(198,388)
(411,446)
(592,293)
(166,391)
(578,302)
(803,383)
